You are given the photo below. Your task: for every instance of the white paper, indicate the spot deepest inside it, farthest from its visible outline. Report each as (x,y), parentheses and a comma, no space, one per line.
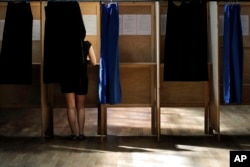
(143,26)
(245,25)
(163,24)
(1,29)
(129,25)
(120,25)
(36,30)
(90,24)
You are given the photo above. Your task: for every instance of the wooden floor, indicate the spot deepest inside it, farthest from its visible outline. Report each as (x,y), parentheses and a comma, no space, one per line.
(129,142)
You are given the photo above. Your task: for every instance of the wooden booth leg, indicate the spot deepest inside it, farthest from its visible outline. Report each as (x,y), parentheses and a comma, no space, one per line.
(206,130)
(102,121)
(153,120)
(158,126)
(99,121)
(49,132)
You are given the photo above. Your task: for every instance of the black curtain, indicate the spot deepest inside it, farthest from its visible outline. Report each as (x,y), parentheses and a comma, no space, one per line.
(64,33)
(185,56)
(16,52)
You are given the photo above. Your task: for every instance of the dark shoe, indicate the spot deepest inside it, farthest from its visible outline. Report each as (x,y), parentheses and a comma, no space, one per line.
(82,137)
(73,137)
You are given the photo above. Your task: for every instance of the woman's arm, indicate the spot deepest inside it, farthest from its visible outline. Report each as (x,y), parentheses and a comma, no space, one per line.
(92,55)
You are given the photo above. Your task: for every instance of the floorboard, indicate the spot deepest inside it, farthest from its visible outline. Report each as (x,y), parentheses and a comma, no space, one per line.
(129,142)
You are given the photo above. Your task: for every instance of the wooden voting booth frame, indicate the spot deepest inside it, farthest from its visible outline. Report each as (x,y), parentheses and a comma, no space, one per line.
(138,64)
(137,69)
(192,94)
(51,96)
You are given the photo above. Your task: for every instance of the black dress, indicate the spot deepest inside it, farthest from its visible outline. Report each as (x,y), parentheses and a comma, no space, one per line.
(185,56)
(78,85)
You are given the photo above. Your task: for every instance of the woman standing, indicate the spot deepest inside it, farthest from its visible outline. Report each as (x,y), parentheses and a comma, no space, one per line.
(75,92)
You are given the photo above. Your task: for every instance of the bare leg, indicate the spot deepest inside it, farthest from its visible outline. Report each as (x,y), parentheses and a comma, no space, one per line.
(71,112)
(81,112)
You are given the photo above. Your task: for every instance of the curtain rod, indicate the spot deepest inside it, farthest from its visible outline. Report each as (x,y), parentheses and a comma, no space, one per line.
(19,0)
(109,0)
(213,0)
(142,0)
(118,0)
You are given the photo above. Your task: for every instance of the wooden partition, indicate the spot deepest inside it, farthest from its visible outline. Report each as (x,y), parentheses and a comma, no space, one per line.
(245,16)
(51,96)
(17,95)
(137,59)
(189,94)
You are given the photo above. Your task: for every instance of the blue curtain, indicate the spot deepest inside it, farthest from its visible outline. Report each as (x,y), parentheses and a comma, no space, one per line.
(109,74)
(232,55)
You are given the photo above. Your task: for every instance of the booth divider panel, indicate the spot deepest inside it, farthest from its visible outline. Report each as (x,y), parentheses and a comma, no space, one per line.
(22,96)
(136,48)
(136,83)
(181,93)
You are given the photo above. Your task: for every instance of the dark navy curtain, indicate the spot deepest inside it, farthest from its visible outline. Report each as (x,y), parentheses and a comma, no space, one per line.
(16,52)
(109,73)
(232,54)
(64,33)
(185,57)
